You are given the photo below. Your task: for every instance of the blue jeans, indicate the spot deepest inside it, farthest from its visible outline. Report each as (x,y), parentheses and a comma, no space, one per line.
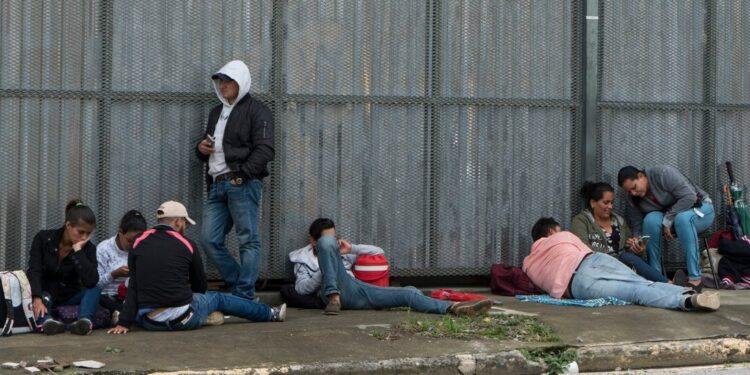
(203,305)
(687,225)
(601,275)
(641,267)
(358,295)
(229,205)
(88,299)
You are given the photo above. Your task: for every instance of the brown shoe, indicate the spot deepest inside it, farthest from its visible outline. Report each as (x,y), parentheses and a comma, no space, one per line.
(332,308)
(469,308)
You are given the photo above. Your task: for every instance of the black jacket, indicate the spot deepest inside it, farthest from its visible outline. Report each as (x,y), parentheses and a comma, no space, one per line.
(248,138)
(165,270)
(60,278)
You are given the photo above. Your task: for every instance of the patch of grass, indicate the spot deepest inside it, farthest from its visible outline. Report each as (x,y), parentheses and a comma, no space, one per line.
(499,327)
(556,359)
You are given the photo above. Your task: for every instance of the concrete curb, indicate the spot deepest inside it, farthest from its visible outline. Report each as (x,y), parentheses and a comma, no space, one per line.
(664,354)
(590,358)
(510,362)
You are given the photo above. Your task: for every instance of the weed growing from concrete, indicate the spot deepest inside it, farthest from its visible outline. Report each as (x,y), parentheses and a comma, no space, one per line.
(499,327)
(556,359)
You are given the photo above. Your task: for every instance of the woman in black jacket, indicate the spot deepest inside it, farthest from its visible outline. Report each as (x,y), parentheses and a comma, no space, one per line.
(62,270)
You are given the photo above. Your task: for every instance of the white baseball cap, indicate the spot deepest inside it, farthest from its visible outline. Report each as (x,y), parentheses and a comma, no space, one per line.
(173,209)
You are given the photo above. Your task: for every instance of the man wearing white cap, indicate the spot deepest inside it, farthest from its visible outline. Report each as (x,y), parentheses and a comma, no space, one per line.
(237,146)
(167,286)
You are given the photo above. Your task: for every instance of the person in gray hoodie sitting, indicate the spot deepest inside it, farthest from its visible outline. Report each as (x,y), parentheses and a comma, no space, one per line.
(324,279)
(307,275)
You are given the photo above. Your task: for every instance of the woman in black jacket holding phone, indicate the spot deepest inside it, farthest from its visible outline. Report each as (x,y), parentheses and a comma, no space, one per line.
(62,271)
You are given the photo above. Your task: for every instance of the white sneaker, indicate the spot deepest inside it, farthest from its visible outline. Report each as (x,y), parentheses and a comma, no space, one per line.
(706,301)
(278,314)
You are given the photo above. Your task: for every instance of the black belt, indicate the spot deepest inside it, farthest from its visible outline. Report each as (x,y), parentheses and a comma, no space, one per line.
(187,314)
(235,178)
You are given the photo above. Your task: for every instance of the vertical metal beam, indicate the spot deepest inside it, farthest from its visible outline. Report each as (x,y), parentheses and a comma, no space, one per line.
(434,19)
(577,92)
(104,114)
(278,33)
(591,87)
(710,168)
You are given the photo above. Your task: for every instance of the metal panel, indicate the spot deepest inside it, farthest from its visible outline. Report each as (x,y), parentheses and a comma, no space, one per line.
(50,151)
(653,50)
(500,169)
(49,45)
(732,51)
(506,49)
(361,166)
(175,46)
(345,47)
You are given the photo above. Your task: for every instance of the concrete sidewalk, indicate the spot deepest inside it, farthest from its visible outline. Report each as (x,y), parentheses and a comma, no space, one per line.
(605,338)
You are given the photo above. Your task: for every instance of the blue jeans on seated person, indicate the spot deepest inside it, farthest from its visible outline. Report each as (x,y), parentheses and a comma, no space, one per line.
(687,225)
(203,305)
(641,267)
(228,205)
(601,275)
(88,299)
(358,295)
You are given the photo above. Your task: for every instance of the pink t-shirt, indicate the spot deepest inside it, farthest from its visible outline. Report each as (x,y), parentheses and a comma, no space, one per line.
(553,260)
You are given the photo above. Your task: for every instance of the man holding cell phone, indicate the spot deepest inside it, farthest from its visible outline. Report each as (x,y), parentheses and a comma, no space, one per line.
(237,146)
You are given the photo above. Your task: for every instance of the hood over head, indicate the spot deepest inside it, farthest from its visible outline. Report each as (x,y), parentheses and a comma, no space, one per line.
(238,72)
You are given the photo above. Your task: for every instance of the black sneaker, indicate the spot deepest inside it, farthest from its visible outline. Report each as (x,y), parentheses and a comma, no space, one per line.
(53,327)
(332,308)
(81,327)
(278,314)
(475,307)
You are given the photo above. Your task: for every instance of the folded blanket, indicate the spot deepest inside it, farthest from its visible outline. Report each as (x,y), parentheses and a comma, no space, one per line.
(596,302)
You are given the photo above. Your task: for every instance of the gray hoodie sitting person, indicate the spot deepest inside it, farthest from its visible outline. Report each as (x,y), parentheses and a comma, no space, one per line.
(307,274)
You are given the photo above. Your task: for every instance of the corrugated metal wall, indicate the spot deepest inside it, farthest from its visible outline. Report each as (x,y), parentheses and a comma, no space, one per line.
(437,129)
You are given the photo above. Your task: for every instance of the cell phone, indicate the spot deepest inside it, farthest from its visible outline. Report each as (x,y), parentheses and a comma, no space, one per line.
(210,140)
(644,239)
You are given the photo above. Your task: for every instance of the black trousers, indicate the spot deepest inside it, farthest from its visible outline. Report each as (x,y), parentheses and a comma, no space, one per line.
(303,301)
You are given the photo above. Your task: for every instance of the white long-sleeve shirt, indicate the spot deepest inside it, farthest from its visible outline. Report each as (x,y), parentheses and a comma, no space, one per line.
(110,257)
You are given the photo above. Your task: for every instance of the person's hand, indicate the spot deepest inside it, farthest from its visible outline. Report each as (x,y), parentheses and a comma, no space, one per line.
(667,233)
(639,247)
(38,307)
(123,271)
(345,247)
(205,147)
(79,245)
(118,330)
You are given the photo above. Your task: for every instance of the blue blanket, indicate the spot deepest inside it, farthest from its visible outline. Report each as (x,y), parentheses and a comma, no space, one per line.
(596,302)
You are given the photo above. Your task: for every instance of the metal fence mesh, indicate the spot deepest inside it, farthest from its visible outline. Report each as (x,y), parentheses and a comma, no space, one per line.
(673,90)
(437,129)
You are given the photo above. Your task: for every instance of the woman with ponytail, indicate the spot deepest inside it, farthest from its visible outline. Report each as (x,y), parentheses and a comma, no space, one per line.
(62,271)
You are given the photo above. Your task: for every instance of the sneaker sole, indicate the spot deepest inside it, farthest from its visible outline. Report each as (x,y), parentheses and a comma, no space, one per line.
(80,328)
(474,308)
(708,301)
(54,329)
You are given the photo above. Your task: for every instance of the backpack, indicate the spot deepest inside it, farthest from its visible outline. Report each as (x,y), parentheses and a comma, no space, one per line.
(372,269)
(16,313)
(510,281)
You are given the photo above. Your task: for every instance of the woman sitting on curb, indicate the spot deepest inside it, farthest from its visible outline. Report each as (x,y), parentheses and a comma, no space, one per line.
(62,271)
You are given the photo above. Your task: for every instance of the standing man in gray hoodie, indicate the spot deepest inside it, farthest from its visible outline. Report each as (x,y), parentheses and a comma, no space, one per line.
(237,146)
